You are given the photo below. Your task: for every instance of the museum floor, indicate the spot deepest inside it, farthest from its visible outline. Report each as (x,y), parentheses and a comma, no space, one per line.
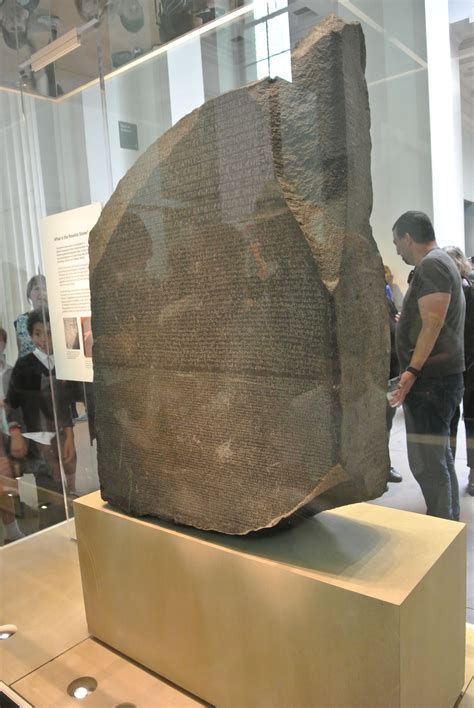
(41,591)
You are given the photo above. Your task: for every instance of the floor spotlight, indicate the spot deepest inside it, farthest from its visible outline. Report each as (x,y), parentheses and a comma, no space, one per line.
(7,631)
(81,687)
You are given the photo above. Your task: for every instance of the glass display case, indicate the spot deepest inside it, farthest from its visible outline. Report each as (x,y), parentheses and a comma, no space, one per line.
(78,124)
(86,89)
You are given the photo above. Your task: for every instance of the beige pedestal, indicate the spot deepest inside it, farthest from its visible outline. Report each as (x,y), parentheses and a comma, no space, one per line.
(362,606)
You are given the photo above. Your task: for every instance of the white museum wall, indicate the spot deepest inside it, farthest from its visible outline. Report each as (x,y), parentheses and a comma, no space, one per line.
(400,122)
(21,205)
(468,167)
(63,161)
(45,172)
(141,96)
(401,160)
(185,78)
(99,168)
(469,226)
(221,50)
(445,124)
(57,157)
(462,11)
(468,158)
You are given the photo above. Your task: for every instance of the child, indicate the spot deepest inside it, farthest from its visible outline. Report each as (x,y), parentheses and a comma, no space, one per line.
(31,390)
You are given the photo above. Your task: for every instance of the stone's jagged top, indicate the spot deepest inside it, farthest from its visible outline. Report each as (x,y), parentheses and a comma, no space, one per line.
(238,300)
(331,23)
(302,55)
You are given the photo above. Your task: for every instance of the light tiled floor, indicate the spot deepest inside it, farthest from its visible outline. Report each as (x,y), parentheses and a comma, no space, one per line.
(41,593)
(468,698)
(122,683)
(468,690)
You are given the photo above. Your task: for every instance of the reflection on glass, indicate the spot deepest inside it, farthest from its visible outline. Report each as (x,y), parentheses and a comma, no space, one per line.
(40,421)
(149,95)
(272,40)
(280,65)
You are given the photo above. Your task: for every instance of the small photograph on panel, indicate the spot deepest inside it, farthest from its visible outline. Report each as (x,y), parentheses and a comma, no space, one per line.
(71,333)
(87,336)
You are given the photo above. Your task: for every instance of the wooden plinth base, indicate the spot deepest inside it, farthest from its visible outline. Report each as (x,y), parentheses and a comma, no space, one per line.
(361,606)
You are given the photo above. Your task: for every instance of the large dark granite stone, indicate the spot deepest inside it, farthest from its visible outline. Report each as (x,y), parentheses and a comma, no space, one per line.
(239,315)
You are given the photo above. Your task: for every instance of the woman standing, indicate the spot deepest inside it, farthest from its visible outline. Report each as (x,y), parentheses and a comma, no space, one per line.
(38,297)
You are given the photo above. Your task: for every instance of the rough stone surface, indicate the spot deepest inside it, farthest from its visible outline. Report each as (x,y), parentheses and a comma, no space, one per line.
(239,315)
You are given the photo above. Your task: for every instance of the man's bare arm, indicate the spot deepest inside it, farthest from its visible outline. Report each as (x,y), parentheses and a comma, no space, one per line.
(433,309)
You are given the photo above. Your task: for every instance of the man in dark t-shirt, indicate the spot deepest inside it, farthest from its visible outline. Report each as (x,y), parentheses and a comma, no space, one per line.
(430,348)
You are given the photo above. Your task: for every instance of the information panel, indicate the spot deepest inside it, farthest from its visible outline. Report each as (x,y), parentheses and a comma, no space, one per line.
(65,239)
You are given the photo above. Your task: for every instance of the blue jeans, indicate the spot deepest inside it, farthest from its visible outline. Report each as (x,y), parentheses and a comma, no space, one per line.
(429,408)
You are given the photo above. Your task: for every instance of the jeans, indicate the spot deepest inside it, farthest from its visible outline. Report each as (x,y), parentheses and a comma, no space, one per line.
(429,408)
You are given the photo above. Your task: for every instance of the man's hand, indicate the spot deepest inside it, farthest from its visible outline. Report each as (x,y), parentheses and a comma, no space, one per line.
(406,382)
(18,445)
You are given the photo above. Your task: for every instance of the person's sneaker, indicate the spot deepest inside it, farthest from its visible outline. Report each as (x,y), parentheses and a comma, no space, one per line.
(470,484)
(394,476)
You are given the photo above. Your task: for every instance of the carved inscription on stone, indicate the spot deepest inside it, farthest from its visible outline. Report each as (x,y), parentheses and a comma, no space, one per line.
(238,306)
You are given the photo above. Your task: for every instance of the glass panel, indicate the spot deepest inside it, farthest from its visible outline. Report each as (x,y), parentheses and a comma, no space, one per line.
(114,107)
(278,34)
(280,65)
(262,69)
(261,40)
(71,131)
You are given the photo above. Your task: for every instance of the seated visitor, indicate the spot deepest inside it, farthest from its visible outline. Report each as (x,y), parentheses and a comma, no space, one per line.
(30,390)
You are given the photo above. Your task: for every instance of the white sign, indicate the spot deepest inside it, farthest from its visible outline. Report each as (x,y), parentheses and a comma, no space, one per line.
(65,239)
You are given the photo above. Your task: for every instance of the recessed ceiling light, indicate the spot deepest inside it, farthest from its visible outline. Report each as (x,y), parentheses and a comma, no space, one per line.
(7,631)
(81,687)
(44,506)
